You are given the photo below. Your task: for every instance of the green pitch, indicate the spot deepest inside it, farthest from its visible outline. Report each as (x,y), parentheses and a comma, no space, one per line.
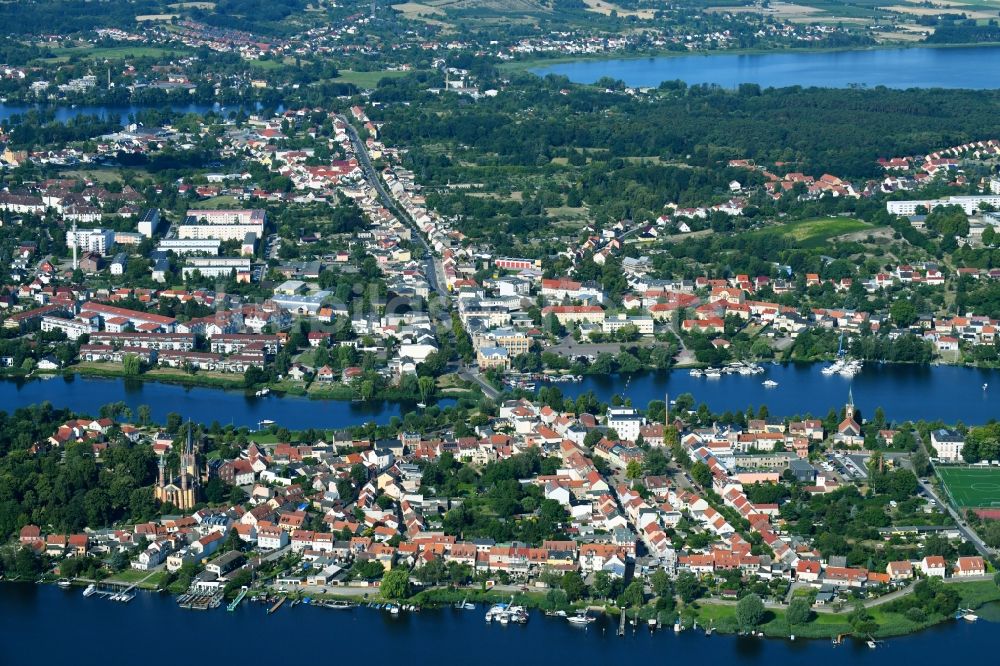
(972,486)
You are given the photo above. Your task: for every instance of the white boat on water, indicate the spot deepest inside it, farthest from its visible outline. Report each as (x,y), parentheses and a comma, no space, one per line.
(580,619)
(970,617)
(769,383)
(695,372)
(834,368)
(261,393)
(90,591)
(64,583)
(678,627)
(713,373)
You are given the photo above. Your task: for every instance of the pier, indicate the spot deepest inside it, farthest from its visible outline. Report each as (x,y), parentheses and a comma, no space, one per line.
(234,604)
(199,601)
(621,624)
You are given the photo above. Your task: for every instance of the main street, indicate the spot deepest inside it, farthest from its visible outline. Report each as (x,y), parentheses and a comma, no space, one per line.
(434,275)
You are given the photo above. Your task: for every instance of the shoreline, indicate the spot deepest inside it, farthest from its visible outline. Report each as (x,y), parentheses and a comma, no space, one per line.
(337,393)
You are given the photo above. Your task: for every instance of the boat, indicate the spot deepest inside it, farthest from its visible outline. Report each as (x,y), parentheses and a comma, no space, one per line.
(791,637)
(261,393)
(769,383)
(125,598)
(713,373)
(464,604)
(985,386)
(421,405)
(870,643)
(678,627)
(834,368)
(695,372)
(339,605)
(966,614)
(580,619)
(64,583)
(556,613)
(651,623)
(393,609)
(90,591)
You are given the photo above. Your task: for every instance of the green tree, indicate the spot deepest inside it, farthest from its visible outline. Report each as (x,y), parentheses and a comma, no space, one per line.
(602,585)
(701,474)
(572,583)
(799,612)
(660,582)
(903,313)
(633,470)
(688,586)
(749,612)
(396,584)
(426,386)
(632,596)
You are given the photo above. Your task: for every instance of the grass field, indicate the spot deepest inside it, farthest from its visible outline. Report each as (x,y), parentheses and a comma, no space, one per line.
(816,232)
(972,486)
(367,79)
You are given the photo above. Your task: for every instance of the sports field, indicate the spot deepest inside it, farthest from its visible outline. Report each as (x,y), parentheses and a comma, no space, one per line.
(972,486)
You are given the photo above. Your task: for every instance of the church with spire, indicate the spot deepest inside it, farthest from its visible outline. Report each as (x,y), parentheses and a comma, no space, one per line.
(849,430)
(182,490)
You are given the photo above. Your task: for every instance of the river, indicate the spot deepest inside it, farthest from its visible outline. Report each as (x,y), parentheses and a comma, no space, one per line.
(44,624)
(905,392)
(203,405)
(924,67)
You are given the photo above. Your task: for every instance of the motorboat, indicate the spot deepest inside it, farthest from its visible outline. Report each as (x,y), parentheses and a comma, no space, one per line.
(695,372)
(90,591)
(713,373)
(64,583)
(580,619)
(769,383)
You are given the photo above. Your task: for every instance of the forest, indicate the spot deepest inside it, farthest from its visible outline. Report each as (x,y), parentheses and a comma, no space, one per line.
(561,145)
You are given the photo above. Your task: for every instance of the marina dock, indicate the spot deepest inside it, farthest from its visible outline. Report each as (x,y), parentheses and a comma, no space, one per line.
(276,606)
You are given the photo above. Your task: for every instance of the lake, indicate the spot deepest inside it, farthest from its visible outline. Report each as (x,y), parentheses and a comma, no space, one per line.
(919,67)
(44,624)
(203,405)
(905,392)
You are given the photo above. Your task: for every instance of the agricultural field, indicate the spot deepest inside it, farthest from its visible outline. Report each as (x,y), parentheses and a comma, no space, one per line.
(972,486)
(817,231)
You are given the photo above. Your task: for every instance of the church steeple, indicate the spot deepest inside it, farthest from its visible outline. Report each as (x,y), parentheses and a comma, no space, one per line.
(849,411)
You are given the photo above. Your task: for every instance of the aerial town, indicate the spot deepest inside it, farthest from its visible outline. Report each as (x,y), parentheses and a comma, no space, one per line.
(390,310)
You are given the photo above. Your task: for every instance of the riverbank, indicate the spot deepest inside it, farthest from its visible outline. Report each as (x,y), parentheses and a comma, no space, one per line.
(231,382)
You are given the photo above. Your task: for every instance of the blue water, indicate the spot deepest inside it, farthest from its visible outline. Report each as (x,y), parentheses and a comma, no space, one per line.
(966,67)
(46,625)
(905,392)
(204,405)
